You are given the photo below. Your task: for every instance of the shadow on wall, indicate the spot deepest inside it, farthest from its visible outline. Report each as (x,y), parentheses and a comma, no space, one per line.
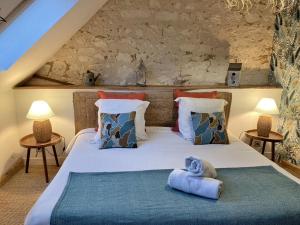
(10,152)
(9,135)
(255,76)
(11,166)
(172,64)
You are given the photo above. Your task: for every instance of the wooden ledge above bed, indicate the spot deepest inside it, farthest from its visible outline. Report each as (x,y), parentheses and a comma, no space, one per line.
(150,87)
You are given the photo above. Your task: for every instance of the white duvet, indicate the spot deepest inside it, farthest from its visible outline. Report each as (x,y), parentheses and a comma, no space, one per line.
(163,150)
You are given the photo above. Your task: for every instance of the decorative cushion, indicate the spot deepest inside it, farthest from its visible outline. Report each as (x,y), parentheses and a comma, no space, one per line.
(121,95)
(209,128)
(114,106)
(118,130)
(179,93)
(199,105)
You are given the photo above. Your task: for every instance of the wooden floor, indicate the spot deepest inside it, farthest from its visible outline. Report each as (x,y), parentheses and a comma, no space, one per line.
(19,194)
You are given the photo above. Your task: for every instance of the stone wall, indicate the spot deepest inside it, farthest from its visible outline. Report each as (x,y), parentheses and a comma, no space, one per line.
(286,65)
(182,42)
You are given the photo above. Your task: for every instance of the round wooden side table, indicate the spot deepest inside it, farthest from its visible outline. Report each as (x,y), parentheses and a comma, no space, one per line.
(29,142)
(273,138)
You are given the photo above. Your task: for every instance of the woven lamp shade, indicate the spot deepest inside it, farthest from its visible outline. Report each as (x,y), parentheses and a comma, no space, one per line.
(266,106)
(40,112)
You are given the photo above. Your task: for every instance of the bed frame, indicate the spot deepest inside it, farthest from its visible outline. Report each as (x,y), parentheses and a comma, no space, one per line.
(161,111)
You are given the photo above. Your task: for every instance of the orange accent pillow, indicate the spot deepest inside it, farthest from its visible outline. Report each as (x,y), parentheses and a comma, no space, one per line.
(121,95)
(179,93)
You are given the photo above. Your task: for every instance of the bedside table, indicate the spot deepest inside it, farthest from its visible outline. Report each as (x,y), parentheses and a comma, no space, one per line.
(29,142)
(273,138)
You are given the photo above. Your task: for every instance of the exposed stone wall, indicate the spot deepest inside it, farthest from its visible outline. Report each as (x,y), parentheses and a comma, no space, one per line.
(286,65)
(182,42)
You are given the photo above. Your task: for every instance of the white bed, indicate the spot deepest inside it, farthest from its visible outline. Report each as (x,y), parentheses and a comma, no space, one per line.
(163,150)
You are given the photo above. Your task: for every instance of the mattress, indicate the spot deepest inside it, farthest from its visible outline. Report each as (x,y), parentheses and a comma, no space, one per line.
(163,149)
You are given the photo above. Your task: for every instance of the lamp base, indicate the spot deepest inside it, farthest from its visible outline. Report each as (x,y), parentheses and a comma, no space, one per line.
(264,125)
(42,131)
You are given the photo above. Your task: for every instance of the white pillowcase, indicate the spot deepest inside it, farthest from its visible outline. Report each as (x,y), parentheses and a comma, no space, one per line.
(113,106)
(199,105)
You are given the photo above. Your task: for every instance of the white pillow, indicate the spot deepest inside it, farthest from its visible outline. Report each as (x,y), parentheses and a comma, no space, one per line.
(125,106)
(199,105)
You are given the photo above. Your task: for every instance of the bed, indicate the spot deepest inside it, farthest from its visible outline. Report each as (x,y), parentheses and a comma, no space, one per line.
(163,150)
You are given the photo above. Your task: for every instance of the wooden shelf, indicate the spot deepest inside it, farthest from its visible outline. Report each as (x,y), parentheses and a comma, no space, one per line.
(158,87)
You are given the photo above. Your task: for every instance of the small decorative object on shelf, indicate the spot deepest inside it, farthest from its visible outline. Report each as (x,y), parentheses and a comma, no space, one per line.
(90,78)
(141,74)
(233,74)
(40,112)
(268,107)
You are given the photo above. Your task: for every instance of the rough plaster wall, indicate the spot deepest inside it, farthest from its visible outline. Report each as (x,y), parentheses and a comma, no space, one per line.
(286,64)
(182,42)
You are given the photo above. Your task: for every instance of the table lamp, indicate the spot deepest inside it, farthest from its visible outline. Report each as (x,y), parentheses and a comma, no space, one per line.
(266,106)
(40,112)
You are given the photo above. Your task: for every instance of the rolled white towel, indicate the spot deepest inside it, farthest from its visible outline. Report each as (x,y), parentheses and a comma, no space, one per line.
(200,167)
(201,186)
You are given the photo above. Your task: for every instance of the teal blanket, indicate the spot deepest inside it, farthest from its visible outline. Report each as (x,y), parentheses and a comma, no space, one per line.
(252,196)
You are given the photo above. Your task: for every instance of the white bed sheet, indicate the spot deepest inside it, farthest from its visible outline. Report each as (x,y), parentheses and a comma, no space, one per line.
(163,150)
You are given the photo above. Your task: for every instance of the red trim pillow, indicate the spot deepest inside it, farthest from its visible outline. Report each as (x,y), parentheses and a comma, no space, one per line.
(178,93)
(121,95)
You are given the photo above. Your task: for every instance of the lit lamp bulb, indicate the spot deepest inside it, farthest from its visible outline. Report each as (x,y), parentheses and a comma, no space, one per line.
(266,106)
(40,112)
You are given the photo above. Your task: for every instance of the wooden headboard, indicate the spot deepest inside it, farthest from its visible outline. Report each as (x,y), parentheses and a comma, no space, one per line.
(161,111)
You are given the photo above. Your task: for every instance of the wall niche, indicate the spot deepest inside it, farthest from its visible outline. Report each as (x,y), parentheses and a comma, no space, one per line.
(180,42)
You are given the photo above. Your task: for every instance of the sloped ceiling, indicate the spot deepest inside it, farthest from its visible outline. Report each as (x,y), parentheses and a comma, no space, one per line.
(7,6)
(51,42)
(38,17)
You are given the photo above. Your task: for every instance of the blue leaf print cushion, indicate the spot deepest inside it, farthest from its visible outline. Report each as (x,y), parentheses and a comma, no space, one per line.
(118,130)
(209,128)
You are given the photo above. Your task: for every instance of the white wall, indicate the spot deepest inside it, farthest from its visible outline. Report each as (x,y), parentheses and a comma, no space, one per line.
(61,102)
(9,135)
(242,116)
